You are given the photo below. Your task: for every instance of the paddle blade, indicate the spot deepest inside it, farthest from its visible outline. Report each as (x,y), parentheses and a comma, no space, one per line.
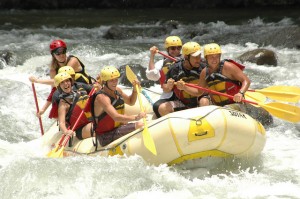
(130,74)
(256,97)
(59,153)
(148,141)
(56,153)
(284,111)
(282,93)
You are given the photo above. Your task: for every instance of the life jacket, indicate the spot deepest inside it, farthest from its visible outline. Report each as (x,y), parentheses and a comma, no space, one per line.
(178,72)
(78,104)
(218,82)
(106,123)
(81,76)
(165,68)
(56,97)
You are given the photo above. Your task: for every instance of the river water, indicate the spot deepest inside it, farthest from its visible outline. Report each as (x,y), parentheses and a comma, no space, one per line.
(25,172)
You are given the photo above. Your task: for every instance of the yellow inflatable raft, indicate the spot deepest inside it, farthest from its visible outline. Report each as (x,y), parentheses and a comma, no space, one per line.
(191,134)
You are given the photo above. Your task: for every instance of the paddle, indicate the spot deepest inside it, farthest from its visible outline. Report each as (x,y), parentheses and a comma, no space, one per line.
(167,56)
(57,152)
(257,97)
(37,107)
(148,140)
(282,93)
(284,111)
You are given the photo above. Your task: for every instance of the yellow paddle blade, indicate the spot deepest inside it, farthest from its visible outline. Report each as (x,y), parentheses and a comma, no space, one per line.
(282,93)
(52,152)
(284,111)
(57,153)
(148,140)
(256,97)
(130,74)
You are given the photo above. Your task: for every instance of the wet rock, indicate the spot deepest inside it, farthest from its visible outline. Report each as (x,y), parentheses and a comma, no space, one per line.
(297,125)
(260,57)
(139,71)
(7,58)
(118,32)
(257,113)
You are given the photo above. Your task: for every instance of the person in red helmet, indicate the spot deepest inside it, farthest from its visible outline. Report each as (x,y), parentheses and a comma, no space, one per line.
(58,50)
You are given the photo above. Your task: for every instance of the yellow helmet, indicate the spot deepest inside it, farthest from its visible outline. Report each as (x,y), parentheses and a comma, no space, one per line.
(172,41)
(211,49)
(108,73)
(60,77)
(191,48)
(67,69)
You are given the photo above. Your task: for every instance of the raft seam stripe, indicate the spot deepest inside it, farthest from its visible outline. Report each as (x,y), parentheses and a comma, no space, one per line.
(225,129)
(174,138)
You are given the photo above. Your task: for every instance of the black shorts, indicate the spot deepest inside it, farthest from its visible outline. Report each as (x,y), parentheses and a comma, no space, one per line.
(110,136)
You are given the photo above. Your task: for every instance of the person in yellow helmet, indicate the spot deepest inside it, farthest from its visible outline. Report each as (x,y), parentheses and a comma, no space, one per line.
(77,86)
(110,122)
(157,71)
(188,70)
(223,76)
(71,103)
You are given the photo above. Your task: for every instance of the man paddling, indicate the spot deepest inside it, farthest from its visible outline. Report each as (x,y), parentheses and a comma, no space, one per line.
(224,76)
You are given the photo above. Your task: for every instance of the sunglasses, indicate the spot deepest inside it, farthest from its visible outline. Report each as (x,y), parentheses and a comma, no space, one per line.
(60,51)
(175,48)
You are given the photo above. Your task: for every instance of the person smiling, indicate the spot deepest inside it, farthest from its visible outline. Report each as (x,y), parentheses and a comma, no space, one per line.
(71,103)
(108,107)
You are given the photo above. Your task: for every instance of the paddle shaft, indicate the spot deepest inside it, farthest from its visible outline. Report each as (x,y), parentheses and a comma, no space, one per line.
(218,93)
(167,56)
(37,108)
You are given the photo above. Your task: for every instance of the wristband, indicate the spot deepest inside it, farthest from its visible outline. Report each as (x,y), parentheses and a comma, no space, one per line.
(241,92)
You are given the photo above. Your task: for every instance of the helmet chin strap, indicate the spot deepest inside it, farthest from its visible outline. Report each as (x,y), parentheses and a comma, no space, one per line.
(188,59)
(107,85)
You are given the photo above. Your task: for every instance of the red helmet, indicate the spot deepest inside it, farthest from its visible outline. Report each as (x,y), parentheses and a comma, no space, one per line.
(57,44)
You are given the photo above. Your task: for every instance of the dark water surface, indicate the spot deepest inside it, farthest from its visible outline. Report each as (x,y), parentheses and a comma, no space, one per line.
(92,18)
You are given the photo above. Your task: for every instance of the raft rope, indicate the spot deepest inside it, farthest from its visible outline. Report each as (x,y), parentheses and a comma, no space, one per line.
(147,97)
(167,118)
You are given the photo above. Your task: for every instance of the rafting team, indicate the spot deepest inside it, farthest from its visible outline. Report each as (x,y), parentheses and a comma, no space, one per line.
(102,101)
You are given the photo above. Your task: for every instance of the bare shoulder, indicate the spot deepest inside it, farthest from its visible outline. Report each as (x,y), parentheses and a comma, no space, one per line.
(102,99)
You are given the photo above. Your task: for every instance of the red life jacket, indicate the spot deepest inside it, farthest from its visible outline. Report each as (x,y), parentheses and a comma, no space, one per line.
(105,123)
(79,104)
